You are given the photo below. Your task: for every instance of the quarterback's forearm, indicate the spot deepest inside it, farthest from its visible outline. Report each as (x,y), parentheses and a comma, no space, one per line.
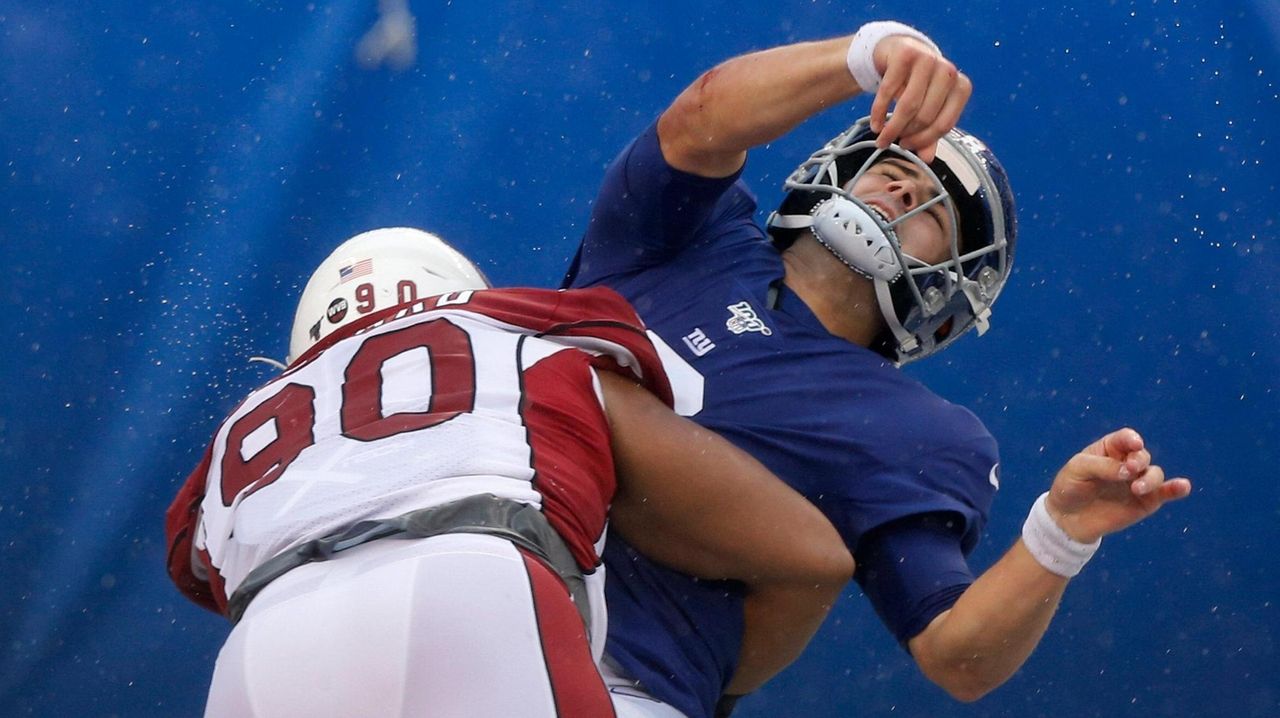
(992,629)
(751,100)
(988,634)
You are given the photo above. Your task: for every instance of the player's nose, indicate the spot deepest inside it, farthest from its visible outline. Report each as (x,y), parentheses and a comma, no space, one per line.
(905,192)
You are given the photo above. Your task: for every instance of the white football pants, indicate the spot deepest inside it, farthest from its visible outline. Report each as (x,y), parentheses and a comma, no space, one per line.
(458,625)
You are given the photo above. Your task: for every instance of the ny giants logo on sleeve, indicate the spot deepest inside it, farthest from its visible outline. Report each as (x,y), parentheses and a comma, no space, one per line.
(698,342)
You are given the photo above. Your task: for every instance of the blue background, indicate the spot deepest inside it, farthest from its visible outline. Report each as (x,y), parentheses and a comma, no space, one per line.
(172,172)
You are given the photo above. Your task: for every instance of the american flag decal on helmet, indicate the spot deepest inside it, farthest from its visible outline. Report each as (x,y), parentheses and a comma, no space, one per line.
(351,271)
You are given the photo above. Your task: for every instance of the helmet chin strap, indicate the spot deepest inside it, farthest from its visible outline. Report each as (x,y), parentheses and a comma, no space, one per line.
(981,307)
(907,341)
(268,360)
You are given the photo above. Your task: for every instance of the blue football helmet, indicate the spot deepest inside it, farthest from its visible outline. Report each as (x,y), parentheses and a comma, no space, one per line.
(925,306)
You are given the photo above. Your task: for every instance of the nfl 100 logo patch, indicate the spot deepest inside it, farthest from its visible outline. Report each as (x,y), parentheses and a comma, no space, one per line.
(743,318)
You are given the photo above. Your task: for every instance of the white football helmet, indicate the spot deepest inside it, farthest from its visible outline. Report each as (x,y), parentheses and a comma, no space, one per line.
(375,270)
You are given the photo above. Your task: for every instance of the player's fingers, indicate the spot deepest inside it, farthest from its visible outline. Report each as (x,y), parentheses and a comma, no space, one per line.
(1149,481)
(956,102)
(935,96)
(927,140)
(895,78)
(908,103)
(1086,466)
(1174,489)
(950,113)
(924,142)
(904,109)
(1118,444)
(926,151)
(1137,461)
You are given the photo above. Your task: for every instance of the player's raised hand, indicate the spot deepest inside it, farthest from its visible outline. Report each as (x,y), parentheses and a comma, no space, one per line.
(926,91)
(1110,485)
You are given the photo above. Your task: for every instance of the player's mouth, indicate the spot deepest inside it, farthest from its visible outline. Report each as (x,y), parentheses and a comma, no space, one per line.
(884,212)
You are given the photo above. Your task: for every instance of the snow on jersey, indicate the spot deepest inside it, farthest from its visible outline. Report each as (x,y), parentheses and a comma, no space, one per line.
(468,393)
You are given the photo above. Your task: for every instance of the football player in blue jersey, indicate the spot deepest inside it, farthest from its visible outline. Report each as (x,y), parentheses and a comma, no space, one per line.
(894,239)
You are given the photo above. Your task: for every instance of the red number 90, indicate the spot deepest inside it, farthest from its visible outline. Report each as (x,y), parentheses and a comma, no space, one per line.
(292,408)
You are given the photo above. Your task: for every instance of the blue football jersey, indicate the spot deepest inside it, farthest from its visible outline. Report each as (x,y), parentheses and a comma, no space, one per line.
(864,442)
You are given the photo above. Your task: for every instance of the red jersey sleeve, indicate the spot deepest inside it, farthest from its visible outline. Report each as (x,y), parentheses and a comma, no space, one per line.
(179,529)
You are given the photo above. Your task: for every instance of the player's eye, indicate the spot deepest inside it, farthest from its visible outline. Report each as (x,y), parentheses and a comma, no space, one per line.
(936,212)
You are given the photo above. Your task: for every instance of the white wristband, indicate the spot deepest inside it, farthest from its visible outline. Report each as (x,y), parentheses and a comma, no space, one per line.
(861,57)
(1051,546)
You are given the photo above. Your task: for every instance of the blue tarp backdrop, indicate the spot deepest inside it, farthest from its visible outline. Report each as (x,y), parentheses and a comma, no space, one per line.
(172,172)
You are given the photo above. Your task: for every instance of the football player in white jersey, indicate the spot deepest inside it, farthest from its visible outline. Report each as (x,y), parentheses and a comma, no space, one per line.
(408,520)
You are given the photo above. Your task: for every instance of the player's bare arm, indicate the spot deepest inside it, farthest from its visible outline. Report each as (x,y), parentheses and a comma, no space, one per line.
(688,498)
(756,98)
(989,633)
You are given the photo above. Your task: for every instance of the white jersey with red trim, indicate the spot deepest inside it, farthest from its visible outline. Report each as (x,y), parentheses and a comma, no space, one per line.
(489,391)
